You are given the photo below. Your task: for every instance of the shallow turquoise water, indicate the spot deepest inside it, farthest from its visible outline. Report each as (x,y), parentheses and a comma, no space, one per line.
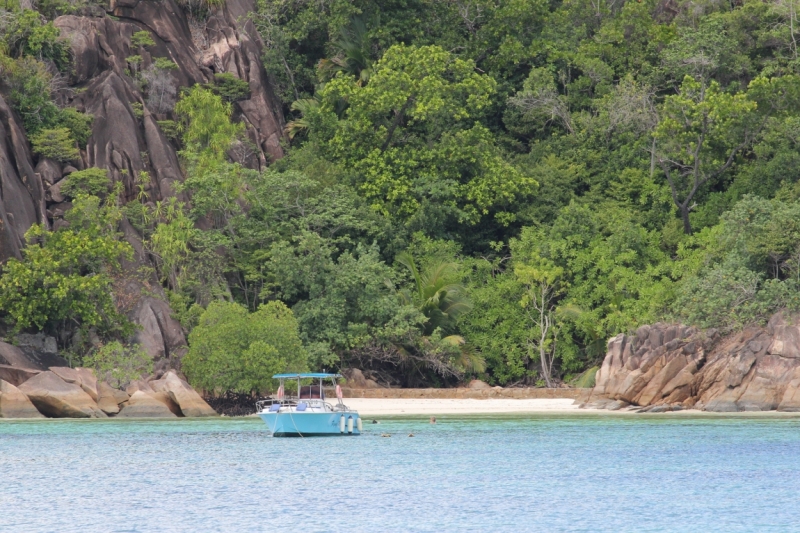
(579,473)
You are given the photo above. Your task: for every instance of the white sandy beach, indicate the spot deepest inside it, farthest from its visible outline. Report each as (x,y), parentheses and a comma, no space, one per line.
(372,407)
(406,406)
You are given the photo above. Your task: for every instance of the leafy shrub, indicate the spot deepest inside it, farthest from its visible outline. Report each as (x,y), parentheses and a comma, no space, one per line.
(164,63)
(79,124)
(231,88)
(233,350)
(207,124)
(732,296)
(29,91)
(142,38)
(28,35)
(52,9)
(28,82)
(185,310)
(92,181)
(138,109)
(65,277)
(745,268)
(55,143)
(118,364)
(171,129)
(134,62)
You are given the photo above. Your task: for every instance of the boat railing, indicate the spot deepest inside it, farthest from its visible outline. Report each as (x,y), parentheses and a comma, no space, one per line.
(261,405)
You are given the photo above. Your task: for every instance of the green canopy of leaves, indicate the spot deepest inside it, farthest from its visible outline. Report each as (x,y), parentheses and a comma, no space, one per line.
(233,349)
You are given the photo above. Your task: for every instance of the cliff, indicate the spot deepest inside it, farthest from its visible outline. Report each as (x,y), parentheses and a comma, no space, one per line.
(127,138)
(670,366)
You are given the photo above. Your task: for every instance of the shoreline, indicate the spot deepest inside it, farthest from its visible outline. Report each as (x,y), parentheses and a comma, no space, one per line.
(369,407)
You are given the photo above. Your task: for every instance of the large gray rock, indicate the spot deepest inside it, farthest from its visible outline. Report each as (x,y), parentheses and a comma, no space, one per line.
(128,142)
(54,193)
(161,336)
(785,338)
(791,395)
(233,45)
(191,404)
(145,405)
(21,191)
(138,385)
(14,403)
(109,398)
(15,375)
(38,341)
(56,398)
(355,378)
(757,369)
(28,357)
(48,170)
(82,377)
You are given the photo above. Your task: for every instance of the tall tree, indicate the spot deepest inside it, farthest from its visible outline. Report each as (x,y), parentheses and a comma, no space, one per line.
(703,129)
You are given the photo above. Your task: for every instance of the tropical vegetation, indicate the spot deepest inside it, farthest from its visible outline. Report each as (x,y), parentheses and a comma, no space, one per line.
(470,188)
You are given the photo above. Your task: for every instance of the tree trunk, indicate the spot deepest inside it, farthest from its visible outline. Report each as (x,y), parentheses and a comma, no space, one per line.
(687,226)
(653,159)
(546,371)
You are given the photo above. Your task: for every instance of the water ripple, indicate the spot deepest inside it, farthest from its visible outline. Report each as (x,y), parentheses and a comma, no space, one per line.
(620,474)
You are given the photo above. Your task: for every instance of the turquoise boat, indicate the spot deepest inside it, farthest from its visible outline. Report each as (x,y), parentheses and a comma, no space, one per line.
(308,414)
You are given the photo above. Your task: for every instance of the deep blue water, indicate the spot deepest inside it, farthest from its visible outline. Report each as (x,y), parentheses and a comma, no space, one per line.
(578,473)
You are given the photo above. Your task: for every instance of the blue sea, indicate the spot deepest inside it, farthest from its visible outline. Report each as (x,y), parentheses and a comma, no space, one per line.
(521,473)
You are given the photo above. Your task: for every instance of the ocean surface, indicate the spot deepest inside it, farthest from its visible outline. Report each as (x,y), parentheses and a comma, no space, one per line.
(521,473)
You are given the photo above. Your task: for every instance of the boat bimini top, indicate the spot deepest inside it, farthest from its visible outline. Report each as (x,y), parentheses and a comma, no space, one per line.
(314,392)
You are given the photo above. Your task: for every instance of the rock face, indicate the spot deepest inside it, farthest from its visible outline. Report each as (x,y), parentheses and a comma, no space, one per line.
(227,42)
(357,380)
(233,45)
(15,375)
(109,398)
(138,385)
(64,392)
(160,335)
(82,377)
(14,404)
(145,405)
(38,341)
(56,398)
(668,366)
(28,357)
(183,395)
(127,138)
(22,201)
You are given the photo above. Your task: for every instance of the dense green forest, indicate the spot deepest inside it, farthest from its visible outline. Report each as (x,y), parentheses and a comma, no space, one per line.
(487,188)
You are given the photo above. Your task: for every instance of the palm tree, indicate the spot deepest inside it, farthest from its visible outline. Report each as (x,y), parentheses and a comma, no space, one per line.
(442,303)
(353,47)
(306,107)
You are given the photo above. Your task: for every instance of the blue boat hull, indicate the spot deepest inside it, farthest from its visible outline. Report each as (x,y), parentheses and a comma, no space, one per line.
(308,424)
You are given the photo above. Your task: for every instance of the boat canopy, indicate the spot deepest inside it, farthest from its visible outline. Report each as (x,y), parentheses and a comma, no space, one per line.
(319,375)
